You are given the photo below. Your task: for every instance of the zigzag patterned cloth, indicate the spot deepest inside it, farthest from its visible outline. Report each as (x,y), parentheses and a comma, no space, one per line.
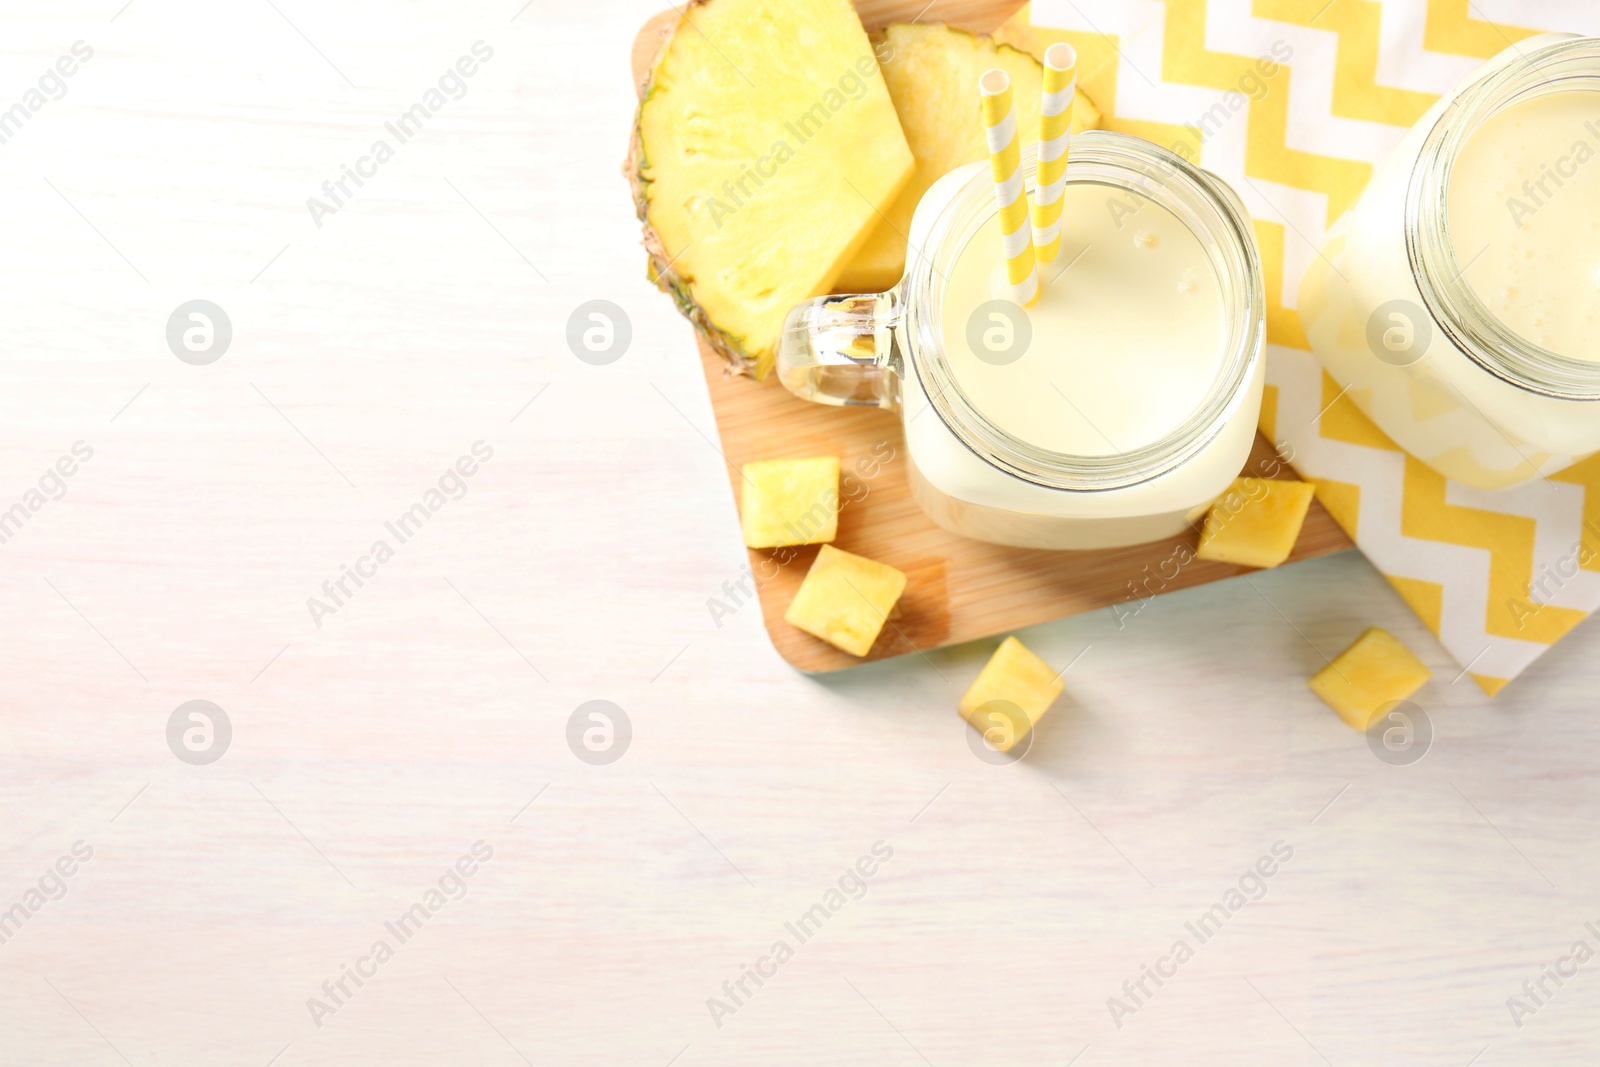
(1295,102)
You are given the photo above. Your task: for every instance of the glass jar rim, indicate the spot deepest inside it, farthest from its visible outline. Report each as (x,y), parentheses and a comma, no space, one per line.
(1451,301)
(1203,202)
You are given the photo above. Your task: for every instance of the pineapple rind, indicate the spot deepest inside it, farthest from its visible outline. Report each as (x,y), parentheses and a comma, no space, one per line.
(659,265)
(1374,671)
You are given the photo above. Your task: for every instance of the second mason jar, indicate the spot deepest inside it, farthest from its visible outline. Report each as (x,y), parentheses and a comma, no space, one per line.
(1112,411)
(1458,303)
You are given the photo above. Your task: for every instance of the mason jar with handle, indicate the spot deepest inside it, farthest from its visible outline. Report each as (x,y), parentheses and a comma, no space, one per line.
(1112,411)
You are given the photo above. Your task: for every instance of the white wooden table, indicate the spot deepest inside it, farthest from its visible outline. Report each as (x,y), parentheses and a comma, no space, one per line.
(429,711)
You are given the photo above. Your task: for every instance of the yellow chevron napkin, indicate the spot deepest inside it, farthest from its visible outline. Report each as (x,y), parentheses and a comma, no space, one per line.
(1294,102)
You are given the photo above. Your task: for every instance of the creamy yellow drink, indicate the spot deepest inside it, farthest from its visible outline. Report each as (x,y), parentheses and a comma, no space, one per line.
(1458,303)
(1111,410)
(1126,334)
(1525,215)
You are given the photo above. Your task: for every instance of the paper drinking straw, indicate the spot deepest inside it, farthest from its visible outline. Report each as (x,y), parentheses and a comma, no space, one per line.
(1055,122)
(1005,162)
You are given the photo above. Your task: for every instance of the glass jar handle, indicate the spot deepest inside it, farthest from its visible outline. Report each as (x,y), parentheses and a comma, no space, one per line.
(842,350)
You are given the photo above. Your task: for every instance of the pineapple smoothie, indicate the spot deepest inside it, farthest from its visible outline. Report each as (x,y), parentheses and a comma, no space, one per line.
(1133,403)
(1112,411)
(1126,335)
(1525,212)
(1458,303)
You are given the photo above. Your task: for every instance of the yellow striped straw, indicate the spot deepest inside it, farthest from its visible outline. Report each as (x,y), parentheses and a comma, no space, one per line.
(1055,124)
(1005,162)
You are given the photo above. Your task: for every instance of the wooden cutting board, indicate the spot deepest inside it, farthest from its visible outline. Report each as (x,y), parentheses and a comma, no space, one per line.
(957,589)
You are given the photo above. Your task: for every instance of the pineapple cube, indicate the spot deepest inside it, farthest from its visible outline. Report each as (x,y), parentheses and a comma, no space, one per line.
(1255,522)
(1375,671)
(845,600)
(790,502)
(1013,678)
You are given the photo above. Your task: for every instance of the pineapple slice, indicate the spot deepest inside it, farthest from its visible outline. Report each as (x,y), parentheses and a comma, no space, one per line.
(764,150)
(1375,671)
(1010,695)
(1256,522)
(932,73)
(790,502)
(845,600)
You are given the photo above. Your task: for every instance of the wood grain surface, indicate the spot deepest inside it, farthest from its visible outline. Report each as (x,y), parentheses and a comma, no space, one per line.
(957,589)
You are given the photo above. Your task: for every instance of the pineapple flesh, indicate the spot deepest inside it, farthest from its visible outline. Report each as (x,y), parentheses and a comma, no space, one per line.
(1375,671)
(765,148)
(932,73)
(790,502)
(845,599)
(1256,522)
(1010,695)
